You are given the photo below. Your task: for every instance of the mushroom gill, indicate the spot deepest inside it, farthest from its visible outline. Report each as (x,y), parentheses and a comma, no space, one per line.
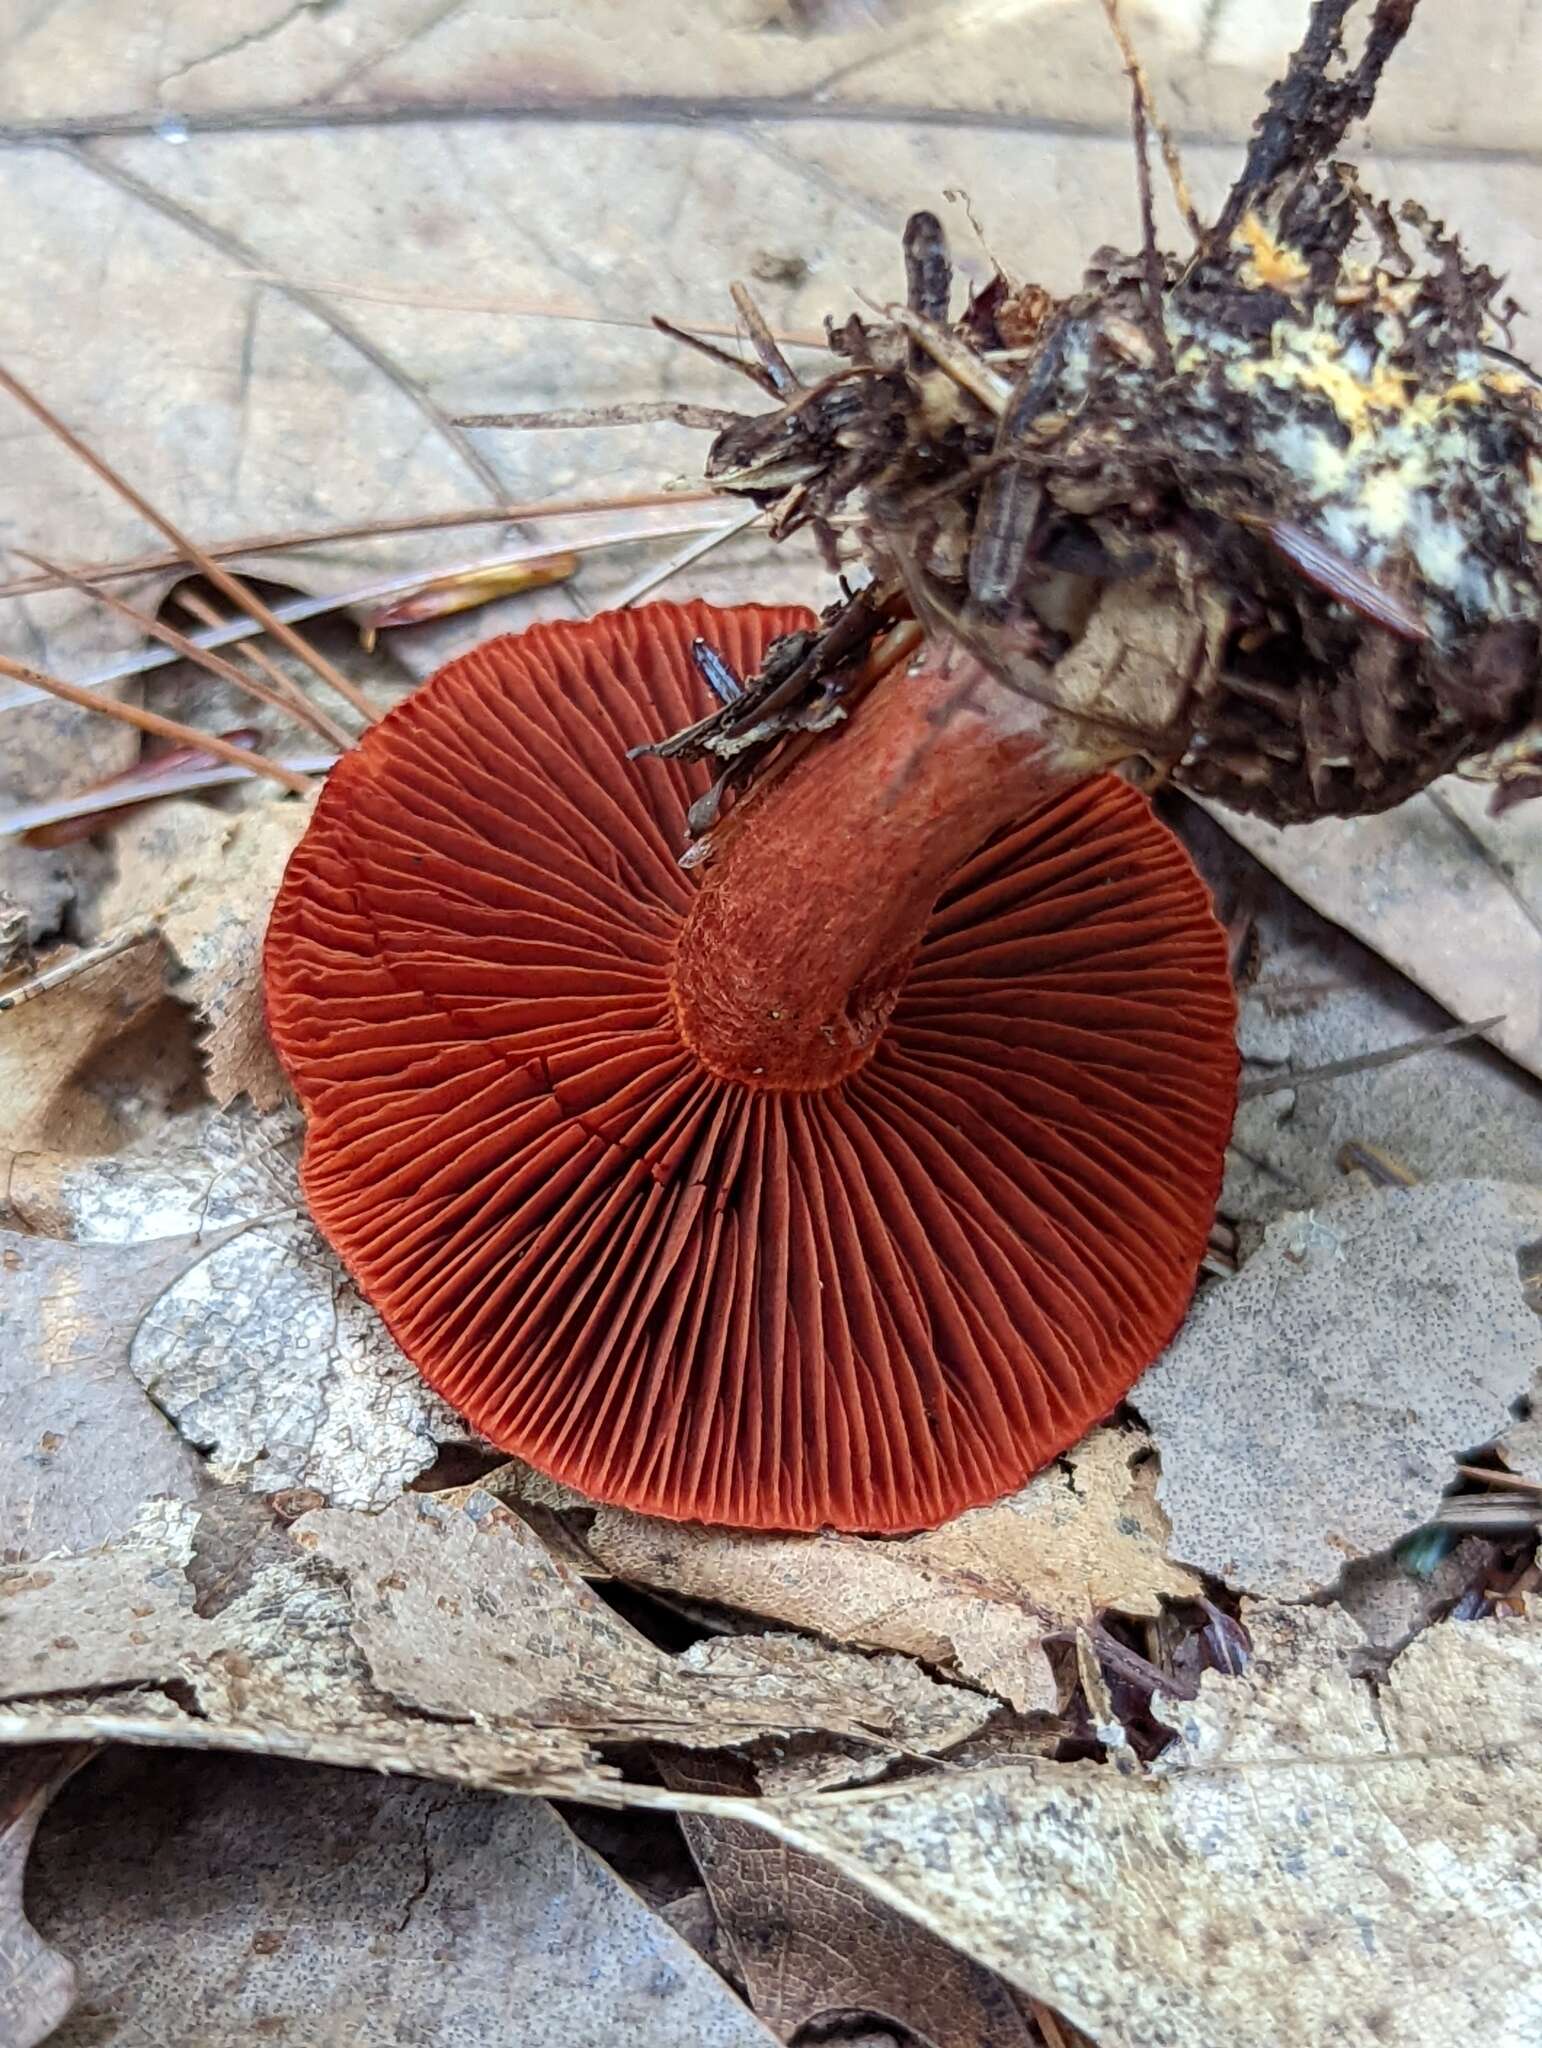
(844,1187)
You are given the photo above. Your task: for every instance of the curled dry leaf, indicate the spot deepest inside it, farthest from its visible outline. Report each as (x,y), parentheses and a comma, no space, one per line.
(252,1341)
(808,1943)
(436,1636)
(980,1594)
(368,1887)
(1309,1410)
(51,1046)
(209,880)
(1309,1861)
(37,1981)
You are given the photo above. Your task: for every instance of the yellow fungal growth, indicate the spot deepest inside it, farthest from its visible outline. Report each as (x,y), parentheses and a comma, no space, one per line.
(1271,265)
(1312,359)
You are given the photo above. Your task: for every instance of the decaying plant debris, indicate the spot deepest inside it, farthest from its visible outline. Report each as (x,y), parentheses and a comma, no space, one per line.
(1263,515)
(1113,1785)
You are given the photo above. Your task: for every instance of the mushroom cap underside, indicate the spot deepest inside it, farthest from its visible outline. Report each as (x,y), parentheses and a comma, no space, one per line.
(868,1306)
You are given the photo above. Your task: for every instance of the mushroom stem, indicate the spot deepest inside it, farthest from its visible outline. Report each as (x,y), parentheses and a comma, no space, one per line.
(793,955)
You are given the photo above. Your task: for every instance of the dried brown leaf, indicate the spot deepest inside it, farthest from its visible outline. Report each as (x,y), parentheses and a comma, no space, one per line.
(435,1636)
(468,1614)
(37,1981)
(251,1340)
(209,880)
(1314,995)
(51,1044)
(979,1594)
(81,1448)
(810,1944)
(1287,1806)
(82,61)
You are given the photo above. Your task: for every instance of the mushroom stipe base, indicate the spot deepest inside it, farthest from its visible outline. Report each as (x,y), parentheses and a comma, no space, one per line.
(865,1297)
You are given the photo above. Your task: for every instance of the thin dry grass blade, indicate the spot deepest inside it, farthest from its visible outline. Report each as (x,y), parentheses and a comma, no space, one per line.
(144,789)
(151,721)
(189,550)
(1335,1070)
(693,551)
(508,309)
(1142,85)
(763,341)
(756,372)
(240,630)
(375,529)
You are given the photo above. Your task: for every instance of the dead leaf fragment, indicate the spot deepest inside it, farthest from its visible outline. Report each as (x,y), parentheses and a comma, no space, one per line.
(81,1448)
(384,1914)
(808,1943)
(1308,1412)
(1315,995)
(1309,1861)
(209,880)
(49,1045)
(276,1671)
(461,1611)
(37,1981)
(1448,894)
(257,1346)
(430,1638)
(1326,1821)
(980,1594)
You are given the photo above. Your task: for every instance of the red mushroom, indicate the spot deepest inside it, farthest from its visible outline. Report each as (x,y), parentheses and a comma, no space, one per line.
(844,1187)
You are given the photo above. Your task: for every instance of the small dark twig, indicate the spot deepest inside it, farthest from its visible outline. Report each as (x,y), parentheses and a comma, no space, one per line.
(754,371)
(776,366)
(646,412)
(928,278)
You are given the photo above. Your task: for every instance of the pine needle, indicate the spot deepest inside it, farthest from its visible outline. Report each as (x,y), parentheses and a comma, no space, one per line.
(661,572)
(374,529)
(189,550)
(291,703)
(151,721)
(506,309)
(1335,1070)
(323,721)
